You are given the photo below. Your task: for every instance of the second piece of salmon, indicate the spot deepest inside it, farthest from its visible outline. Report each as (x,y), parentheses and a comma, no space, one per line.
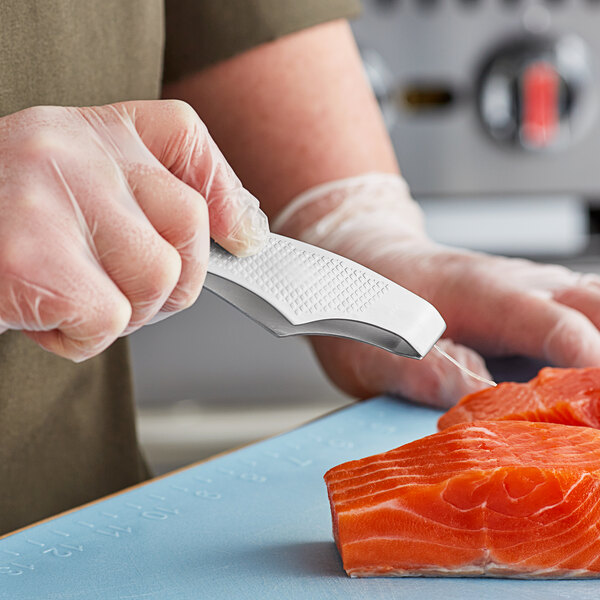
(568,396)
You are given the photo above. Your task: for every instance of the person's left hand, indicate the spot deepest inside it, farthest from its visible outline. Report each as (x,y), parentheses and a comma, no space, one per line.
(493,305)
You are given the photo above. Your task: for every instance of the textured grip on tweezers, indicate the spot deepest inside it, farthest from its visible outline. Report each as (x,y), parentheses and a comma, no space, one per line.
(294,288)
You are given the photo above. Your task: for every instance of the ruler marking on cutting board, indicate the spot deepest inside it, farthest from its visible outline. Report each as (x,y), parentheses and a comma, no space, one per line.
(244,468)
(251,524)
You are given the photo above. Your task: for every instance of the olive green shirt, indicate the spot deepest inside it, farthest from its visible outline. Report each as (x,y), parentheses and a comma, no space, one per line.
(67,431)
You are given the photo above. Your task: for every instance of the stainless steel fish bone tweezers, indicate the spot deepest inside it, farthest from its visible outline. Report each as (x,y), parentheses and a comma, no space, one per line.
(293,288)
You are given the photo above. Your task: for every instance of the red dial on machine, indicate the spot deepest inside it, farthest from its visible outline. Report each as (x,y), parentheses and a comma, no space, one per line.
(540,96)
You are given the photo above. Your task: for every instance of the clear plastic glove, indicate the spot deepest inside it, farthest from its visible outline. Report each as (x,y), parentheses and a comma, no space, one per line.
(104,219)
(493,305)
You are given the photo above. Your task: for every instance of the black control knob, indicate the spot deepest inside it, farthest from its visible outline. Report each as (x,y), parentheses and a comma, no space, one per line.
(537,93)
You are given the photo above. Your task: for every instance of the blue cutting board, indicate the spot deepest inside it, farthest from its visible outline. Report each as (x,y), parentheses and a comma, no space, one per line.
(253,524)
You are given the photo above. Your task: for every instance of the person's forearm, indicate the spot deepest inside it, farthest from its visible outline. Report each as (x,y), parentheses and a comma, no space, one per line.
(292,114)
(297,113)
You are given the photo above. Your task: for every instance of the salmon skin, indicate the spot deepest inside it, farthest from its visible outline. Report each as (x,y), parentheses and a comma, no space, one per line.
(568,396)
(491,498)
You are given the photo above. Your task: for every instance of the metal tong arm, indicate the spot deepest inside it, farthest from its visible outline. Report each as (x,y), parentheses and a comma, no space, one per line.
(293,288)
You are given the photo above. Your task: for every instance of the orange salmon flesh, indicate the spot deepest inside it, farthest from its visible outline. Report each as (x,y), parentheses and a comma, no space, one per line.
(489,498)
(568,396)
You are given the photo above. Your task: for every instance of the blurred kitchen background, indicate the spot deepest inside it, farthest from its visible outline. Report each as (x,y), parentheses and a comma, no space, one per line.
(493,109)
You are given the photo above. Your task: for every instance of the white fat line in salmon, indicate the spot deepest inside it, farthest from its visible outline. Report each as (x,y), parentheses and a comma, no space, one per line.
(464,369)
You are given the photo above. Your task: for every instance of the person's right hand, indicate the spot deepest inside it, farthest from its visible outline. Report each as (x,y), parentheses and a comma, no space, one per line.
(104,219)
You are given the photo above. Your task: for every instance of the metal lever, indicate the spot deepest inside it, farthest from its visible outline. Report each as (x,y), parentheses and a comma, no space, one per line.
(293,288)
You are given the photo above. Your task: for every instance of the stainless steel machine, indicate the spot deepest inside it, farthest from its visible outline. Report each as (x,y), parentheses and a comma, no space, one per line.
(489,97)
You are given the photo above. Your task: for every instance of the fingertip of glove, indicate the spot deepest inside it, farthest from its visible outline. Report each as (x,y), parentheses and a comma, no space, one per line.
(251,235)
(449,382)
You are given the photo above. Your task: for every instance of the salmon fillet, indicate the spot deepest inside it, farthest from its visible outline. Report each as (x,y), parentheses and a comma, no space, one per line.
(569,396)
(490,498)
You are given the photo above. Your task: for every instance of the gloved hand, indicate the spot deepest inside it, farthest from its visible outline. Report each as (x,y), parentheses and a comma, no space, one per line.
(495,305)
(104,219)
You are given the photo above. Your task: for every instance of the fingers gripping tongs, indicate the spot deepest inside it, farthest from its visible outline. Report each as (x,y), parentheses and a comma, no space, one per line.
(293,288)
